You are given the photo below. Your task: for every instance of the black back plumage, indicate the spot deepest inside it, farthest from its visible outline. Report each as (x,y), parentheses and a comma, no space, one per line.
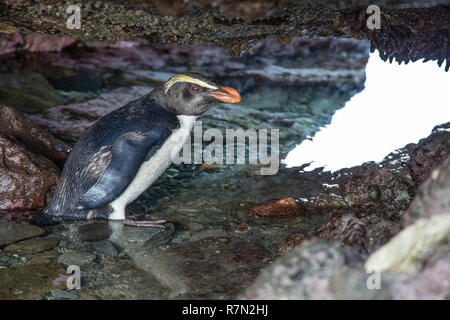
(94,152)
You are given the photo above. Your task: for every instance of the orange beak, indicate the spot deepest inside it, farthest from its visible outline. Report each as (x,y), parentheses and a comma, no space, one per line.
(227,94)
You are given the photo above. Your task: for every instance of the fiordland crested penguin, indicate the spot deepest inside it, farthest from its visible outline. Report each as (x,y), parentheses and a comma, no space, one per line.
(124,152)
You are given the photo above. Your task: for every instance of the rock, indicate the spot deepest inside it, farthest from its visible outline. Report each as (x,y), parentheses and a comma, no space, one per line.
(45,42)
(89,231)
(291,242)
(121,280)
(105,247)
(432,197)
(318,269)
(352,284)
(235,263)
(27,132)
(128,238)
(367,203)
(28,92)
(43,257)
(388,186)
(9,42)
(431,283)
(11,232)
(239,25)
(28,281)
(78,258)
(28,179)
(404,252)
(59,294)
(32,245)
(275,208)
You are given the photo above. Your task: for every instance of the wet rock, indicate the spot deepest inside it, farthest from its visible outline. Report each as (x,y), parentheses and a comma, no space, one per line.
(275,208)
(28,92)
(106,248)
(354,284)
(28,281)
(9,42)
(59,294)
(411,42)
(27,132)
(367,203)
(432,197)
(89,231)
(389,185)
(356,229)
(121,280)
(430,283)
(28,179)
(316,270)
(78,258)
(45,42)
(291,242)
(11,232)
(227,256)
(409,34)
(43,257)
(32,245)
(404,252)
(128,238)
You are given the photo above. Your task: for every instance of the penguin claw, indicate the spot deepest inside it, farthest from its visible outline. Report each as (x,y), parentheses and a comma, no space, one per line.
(155,224)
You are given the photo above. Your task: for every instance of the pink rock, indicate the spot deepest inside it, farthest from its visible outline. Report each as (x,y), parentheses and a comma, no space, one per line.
(9,42)
(42,43)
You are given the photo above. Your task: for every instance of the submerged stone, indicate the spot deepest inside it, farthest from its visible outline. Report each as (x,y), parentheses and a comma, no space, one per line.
(28,281)
(28,92)
(105,247)
(11,232)
(32,245)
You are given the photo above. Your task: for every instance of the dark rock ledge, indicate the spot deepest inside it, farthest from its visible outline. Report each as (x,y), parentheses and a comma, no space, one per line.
(408,33)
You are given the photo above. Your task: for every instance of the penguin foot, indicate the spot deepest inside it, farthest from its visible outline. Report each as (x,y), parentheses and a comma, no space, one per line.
(155,224)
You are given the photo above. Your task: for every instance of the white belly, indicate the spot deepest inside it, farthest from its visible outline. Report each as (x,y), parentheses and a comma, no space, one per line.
(151,169)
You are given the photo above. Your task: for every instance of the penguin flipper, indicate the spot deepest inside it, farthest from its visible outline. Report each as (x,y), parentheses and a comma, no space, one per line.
(128,153)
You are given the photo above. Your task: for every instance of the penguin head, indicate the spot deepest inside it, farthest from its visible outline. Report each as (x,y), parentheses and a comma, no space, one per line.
(192,94)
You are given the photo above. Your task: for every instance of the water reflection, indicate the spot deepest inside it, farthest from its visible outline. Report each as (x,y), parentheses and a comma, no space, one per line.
(399,105)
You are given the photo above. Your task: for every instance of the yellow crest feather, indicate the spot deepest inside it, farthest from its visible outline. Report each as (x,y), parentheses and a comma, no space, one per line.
(185,78)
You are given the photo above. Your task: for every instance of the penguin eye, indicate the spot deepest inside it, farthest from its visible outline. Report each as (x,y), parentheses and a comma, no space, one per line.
(195,89)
